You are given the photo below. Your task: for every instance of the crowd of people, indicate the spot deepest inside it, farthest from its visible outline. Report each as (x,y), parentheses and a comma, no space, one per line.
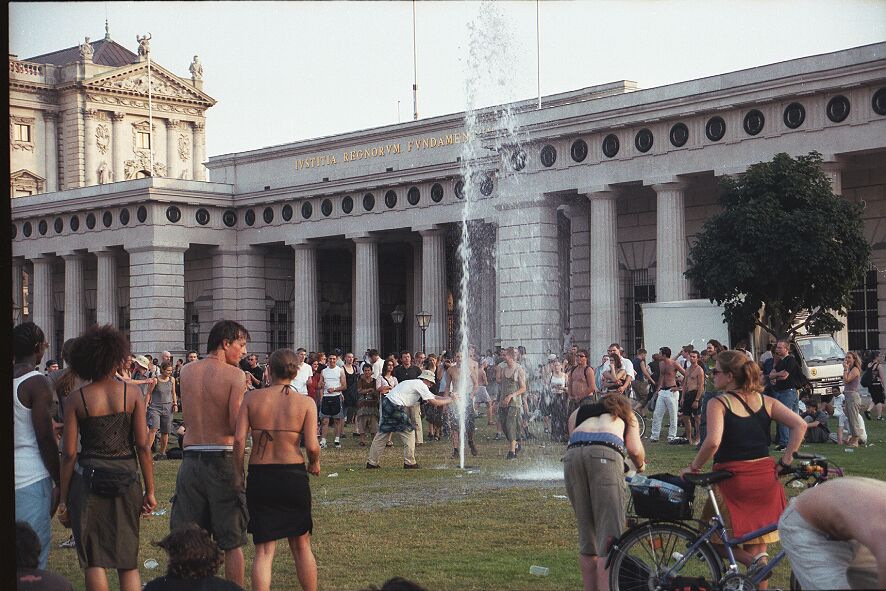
(111,414)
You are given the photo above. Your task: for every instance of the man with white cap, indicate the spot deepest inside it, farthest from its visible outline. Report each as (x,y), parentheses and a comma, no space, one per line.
(395,418)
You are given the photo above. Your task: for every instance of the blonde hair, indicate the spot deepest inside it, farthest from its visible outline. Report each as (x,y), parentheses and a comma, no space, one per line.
(856,360)
(745,373)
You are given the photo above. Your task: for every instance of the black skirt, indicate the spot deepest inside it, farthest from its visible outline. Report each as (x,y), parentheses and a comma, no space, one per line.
(278,497)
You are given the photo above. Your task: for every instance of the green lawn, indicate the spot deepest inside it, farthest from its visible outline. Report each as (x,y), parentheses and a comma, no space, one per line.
(442,527)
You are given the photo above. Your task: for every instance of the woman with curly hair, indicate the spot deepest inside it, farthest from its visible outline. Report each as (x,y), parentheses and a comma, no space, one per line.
(194,558)
(101,484)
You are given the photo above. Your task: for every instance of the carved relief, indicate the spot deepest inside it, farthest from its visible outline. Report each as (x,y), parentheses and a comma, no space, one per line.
(104,173)
(142,161)
(138,82)
(184,147)
(86,50)
(140,104)
(102,138)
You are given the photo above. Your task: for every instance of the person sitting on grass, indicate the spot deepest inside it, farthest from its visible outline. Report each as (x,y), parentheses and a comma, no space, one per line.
(27,556)
(194,558)
(816,424)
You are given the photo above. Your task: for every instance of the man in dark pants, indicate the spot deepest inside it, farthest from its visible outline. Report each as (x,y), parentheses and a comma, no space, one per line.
(783,378)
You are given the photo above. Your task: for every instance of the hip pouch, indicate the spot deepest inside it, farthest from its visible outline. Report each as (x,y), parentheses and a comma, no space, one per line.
(108,483)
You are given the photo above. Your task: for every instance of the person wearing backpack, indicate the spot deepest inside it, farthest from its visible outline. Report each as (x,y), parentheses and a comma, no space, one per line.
(873,380)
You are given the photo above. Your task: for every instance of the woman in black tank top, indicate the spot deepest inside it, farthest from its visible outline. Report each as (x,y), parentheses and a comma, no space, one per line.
(738,439)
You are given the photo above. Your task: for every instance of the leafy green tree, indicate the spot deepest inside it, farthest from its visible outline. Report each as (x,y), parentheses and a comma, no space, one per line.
(783,245)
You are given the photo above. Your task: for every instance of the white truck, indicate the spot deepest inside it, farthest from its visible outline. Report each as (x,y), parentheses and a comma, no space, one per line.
(695,322)
(685,322)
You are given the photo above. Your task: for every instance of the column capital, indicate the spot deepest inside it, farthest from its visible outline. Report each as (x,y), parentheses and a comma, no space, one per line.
(596,192)
(667,184)
(172,123)
(301,244)
(89,113)
(43,258)
(117,116)
(362,238)
(103,251)
(432,230)
(199,125)
(50,115)
(72,255)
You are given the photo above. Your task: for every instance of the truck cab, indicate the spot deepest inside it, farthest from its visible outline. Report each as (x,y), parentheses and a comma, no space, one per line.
(821,360)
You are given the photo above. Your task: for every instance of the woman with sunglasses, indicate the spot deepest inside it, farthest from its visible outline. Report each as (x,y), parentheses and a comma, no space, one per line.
(738,438)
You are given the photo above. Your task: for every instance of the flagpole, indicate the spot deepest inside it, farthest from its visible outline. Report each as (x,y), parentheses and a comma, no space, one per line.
(414,69)
(537,53)
(150,114)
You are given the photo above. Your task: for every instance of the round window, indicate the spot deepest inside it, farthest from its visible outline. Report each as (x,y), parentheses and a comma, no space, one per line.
(142,214)
(58,225)
(326,208)
(202,216)
(579,150)
(643,140)
(26,229)
(486,186)
(74,223)
(249,217)
(390,199)
(268,215)
(124,216)
(42,227)
(754,122)
(838,109)
(610,145)
(90,220)
(548,156)
(307,210)
(287,212)
(347,204)
(173,214)
(229,217)
(437,193)
(460,189)
(413,196)
(715,129)
(107,219)
(368,201)
(679,135)
(794,115)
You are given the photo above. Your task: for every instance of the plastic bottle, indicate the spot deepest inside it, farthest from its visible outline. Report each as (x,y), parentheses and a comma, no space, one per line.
(538,571)
(673,492)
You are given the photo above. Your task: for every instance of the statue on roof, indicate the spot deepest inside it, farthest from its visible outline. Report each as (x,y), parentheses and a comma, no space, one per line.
(196,69)
(144,45)
(86,51)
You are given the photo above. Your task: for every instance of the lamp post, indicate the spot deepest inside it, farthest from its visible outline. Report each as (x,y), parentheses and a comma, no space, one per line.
(424,320)
(397,316)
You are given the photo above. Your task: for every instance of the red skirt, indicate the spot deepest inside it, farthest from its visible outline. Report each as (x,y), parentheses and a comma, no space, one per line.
(754,496)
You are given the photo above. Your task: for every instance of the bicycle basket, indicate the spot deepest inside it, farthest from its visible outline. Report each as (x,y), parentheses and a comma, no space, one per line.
(652,502)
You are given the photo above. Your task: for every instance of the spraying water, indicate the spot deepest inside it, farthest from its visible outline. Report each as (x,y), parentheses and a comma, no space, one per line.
(493,146)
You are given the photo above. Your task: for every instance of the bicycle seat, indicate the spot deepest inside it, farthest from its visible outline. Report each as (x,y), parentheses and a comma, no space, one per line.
(707,478)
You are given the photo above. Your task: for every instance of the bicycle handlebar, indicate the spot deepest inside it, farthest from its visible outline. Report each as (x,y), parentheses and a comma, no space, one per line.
(799,456)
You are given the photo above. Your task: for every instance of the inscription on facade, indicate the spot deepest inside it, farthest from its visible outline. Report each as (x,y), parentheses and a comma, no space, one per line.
(413,145)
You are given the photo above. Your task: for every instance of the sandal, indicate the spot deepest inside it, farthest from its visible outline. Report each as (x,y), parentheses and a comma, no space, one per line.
(758,563)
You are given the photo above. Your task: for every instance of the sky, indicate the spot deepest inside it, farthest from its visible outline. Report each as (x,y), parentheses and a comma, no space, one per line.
(288,71)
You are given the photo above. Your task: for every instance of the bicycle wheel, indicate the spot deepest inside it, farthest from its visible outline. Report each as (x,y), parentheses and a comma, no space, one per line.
(641,422)
(642,558)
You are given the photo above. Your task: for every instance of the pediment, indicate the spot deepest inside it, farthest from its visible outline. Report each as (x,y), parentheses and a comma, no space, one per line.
(24,174)
(133,80)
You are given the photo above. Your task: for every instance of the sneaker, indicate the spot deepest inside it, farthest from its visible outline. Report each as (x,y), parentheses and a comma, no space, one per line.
(68,543)
(372,466)
(411,466)
(780,447)
(473,448)
(322,444)
(519,448)
(511,456)
(867,415)
(653,440)
(497,436)
(337,442)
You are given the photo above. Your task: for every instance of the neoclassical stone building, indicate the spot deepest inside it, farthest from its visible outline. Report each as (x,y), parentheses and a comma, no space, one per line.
(585,213)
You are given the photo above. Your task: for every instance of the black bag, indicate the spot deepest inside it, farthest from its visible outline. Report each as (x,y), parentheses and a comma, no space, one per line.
(330,406)
(867,378)
(108,483)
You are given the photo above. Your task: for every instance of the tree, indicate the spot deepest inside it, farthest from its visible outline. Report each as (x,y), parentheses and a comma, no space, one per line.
(782,246)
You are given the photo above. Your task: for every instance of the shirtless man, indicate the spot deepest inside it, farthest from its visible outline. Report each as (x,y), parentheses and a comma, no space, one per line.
(834,545)
(278,419)
(582,383)
(668,395)
(455,390)
(204,491)
(693,383)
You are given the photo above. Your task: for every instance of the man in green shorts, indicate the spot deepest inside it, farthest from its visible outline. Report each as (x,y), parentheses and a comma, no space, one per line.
(204,489)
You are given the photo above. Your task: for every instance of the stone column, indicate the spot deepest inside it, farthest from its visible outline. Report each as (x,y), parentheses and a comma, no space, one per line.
(605,326)
(41,294)
(172,168)
(417,272)
(120,140)
(670,243)
(75,314)
(199,150)
(90,150)
(50,144)
(528,276)
(433,287)
(18,300)
(579,273)
(251,303)
(106,308)
(157,298)
(834,171)
(487,306)
(305,331)
(224,284)
(367,308)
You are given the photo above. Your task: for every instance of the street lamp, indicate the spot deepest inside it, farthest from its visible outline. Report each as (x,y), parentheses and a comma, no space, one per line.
(397,316)
(424,320)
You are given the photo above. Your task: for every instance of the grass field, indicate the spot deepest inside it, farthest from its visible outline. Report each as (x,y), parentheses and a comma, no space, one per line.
(443,527)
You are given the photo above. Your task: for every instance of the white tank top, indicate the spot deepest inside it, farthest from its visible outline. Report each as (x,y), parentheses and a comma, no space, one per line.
(332,379)
(29,466)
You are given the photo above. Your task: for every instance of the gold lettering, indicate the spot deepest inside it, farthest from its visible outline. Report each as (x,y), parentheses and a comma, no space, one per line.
(464,136)
(433,142)
(333,159)
(449,139)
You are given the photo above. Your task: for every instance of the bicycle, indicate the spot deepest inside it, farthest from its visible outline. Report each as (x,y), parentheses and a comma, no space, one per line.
(641,422)
(665,553)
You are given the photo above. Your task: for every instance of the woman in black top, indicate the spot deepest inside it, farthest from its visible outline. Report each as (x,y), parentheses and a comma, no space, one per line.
(102,487)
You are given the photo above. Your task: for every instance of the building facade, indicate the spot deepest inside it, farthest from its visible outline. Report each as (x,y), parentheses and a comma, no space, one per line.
(584,213)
